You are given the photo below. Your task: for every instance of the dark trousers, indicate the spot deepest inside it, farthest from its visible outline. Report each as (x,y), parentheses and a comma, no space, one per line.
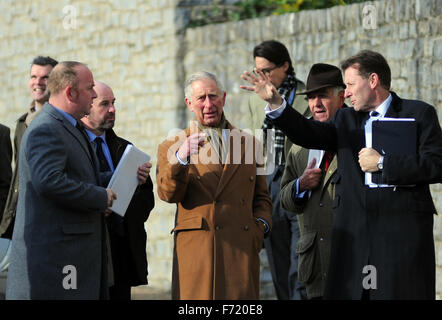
(120,263)
(280,245)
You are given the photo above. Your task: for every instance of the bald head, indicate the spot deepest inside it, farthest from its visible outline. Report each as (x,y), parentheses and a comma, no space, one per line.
(102,113)
(101,88)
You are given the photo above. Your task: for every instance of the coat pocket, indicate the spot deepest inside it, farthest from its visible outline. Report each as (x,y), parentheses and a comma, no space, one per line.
(192,223)
(305,249)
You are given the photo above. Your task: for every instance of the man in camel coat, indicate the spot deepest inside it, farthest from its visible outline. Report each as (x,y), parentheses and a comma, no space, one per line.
(224,209)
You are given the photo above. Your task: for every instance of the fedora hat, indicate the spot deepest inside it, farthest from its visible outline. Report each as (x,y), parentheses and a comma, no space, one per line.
(323,75)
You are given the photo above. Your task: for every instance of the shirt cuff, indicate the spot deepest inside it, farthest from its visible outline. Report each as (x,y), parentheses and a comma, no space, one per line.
(296,196)
(274,114)
(265,223)
(184,163)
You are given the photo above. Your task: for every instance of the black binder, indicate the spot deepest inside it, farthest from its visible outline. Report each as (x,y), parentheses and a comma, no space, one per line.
(393,136)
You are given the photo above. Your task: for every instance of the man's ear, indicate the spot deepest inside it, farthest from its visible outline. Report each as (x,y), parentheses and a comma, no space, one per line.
(70,93)
(285,66)
(189,104)
(374,80)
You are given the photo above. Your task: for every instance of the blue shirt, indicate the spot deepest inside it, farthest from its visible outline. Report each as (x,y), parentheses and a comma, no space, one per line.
(104,146)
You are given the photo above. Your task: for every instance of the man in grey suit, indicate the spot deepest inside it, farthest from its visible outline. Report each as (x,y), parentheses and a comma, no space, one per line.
(59,246)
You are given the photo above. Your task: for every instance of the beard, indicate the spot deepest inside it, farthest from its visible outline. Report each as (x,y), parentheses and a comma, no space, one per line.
(106,125)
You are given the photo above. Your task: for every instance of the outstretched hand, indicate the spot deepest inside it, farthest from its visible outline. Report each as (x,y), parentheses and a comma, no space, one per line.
(261,85)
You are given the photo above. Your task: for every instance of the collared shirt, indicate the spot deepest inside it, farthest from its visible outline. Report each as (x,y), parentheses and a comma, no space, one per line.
(382,110)
(104,146)
(68,117)
(273,114)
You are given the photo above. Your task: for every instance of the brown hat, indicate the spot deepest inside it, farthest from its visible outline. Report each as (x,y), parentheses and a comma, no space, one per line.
(323,75)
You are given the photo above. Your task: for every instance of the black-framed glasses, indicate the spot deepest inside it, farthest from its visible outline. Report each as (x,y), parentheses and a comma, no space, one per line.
(267,71)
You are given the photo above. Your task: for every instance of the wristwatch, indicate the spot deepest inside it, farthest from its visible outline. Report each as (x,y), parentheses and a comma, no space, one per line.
(381,163)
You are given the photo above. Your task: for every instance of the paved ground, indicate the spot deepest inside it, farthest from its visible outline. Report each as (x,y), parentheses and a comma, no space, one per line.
(149,293)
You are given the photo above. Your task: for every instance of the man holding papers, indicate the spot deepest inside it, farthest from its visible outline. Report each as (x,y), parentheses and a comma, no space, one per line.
(382,245)
(307,185)
(127,235)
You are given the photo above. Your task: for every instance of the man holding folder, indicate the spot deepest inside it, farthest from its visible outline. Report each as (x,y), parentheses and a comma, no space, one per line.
(127,235)
(383,246)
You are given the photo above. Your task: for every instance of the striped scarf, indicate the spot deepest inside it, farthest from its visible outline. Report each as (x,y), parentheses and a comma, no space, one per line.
(284,90)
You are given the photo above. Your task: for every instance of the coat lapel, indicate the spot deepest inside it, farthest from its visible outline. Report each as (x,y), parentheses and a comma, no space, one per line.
(395,107)
(74,132)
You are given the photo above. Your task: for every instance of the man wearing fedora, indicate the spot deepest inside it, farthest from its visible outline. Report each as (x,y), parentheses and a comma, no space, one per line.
(307,187)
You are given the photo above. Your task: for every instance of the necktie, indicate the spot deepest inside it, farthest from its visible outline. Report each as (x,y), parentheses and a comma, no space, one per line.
(80,128)
(104,166)
(374,114)
(328,157)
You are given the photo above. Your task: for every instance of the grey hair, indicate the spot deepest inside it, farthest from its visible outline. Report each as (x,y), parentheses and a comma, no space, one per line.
(337,89)
(188,92)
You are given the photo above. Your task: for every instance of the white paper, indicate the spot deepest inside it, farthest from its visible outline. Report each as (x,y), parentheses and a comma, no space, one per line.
(124,180)
(315,154)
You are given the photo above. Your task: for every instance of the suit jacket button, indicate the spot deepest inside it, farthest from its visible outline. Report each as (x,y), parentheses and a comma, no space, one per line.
(251,178)
(246,228)
(321,204)
(198,178)
(217,228)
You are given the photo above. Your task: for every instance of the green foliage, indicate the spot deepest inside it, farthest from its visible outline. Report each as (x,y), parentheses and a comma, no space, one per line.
(249,9)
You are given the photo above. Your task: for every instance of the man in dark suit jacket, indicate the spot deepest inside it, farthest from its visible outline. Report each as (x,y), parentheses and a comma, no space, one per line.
(5,164)
(382,245)
(127,235)
(59,247)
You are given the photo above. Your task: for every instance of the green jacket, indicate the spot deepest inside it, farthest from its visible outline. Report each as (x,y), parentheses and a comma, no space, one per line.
(8,217)
(315,219)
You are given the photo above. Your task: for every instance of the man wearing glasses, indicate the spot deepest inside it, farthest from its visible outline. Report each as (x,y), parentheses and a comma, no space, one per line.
(273,59)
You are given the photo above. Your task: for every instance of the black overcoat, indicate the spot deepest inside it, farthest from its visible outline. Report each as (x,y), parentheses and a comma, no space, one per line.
(388,228)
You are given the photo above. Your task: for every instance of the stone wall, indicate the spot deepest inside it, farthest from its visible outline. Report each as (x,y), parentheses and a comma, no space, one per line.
(407,33)
(141,49)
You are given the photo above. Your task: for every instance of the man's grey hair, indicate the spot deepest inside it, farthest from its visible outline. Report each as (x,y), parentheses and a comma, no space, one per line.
(337,89)
(188,92)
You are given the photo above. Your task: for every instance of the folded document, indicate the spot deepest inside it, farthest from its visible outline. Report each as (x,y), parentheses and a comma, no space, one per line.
(124,180)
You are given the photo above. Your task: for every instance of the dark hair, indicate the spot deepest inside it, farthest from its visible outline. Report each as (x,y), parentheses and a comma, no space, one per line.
(44,61)
(367,62)
(275,52)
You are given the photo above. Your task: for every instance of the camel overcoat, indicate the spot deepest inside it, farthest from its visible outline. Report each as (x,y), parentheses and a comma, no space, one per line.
(217,234)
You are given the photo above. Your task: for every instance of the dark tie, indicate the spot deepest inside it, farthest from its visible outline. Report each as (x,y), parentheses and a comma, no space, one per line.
(328,157)
(374,114)
(80,128)
(104,166)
